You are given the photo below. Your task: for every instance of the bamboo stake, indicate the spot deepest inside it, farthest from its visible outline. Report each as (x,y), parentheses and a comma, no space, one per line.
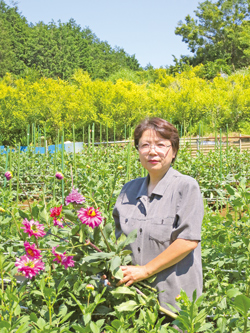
(107,134)
(63,166)
(18,172)
(28,135)
(6,165)
(45,143)
(74,149)
(100,133)
(93,139)
(220,155)
(10,164)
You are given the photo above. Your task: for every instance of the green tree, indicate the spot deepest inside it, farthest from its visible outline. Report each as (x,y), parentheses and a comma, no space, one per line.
(215,32)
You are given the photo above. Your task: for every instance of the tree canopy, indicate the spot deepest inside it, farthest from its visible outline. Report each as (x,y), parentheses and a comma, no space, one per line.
(220,31)
(56,49)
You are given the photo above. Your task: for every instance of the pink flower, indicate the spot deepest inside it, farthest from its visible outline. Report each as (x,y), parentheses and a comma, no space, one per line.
(56,211)
(90,216)
(58,222)
(8,175)
(74,197)
(59,175)
(29,267)
(31,251)
(61,258)
(33,228)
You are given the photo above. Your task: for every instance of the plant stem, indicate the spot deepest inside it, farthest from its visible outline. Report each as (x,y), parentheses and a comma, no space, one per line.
(167,312)
(88,242)
(27,198)
(105,240)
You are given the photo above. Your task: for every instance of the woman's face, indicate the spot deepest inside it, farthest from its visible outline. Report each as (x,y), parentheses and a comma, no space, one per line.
(155,152)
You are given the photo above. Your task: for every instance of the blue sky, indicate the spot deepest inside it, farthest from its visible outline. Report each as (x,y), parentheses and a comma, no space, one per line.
(142,27)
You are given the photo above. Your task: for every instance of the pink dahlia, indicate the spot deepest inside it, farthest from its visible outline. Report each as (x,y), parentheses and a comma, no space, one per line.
(33,228)
(31,251)
(61,258)
(29,267)
(74,197)
(8,175)
(90,216)
(58,222)
(56,211)
(59,175)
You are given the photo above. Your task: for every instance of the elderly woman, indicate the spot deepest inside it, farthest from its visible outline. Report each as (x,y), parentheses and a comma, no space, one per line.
(166,209)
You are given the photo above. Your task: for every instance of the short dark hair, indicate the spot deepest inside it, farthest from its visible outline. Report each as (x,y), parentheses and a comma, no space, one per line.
(160,126)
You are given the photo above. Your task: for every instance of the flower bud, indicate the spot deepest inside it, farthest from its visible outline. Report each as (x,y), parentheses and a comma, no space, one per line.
(90,287)
(8,175)
(59,175)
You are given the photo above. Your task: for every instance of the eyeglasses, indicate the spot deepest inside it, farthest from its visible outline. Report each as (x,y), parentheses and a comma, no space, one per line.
(159,148)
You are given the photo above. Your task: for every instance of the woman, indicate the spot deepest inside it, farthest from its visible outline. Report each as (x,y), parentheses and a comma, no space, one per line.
(166,208)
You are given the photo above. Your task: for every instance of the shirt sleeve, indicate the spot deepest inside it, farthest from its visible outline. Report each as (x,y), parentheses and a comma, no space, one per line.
(190,211)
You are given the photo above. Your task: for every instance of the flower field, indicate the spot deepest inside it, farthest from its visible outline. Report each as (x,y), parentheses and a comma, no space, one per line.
(57,231)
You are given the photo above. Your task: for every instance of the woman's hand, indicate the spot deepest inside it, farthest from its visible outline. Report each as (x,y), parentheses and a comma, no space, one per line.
(132,274)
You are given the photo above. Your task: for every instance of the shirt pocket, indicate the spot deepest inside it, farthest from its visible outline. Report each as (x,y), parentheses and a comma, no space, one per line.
(160,230)
(127,224)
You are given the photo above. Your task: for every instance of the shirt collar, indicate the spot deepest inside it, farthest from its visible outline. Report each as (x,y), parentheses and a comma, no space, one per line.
(160,188)
(143,190)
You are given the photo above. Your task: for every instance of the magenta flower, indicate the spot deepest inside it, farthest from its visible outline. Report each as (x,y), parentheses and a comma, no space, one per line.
(29,267)
(61,258)
(90,216)
(31,251)
(74,197)
(59,175)
(58,222)
(33,228)
(8,175)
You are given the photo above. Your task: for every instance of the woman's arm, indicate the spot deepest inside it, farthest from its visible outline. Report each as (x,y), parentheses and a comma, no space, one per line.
(178,250)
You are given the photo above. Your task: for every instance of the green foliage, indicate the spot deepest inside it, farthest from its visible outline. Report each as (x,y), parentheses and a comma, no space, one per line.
(56,50)
(219,31)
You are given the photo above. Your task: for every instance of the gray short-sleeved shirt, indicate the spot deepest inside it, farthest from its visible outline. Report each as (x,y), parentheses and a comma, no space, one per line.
(174,210)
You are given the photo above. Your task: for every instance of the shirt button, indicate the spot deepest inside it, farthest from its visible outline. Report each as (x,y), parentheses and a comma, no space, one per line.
(126,220)
(139,249)
(140,230)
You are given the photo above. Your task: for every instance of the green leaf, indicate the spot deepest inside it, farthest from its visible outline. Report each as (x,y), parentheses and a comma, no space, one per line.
(70,215)
(33,317)
(129,239)
(115,263)
(222,325)
(127,306)
(242,304)
(66,317)
(43,216)
(35,212)
(230,189)
(62,310)
(41,323)
(23,214)
(119,291)
(94,328)
(151,317)
(98,256)
(233,292)
(5,324)
(61,249)
(108,229)
(49,292)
